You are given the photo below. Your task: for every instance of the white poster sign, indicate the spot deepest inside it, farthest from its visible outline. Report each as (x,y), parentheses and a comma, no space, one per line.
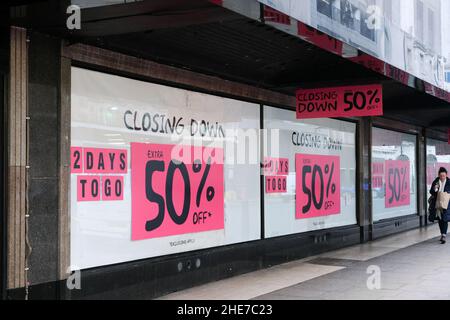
(317,157)
(158,170)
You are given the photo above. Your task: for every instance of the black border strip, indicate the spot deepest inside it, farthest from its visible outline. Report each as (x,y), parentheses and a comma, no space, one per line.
(262,177)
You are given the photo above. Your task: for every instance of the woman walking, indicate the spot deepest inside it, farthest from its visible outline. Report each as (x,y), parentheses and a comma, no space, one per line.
(440,184)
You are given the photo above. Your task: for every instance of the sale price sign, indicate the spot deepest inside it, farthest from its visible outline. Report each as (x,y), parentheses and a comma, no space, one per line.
(275,171)
(276,184)
(350,101)
(275,166)
(318,186)
(176,190)
(98,160)
(92,167)
(377,175)
(397,183)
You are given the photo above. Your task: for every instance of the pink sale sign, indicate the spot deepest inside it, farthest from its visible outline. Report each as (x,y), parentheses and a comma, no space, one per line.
(275,171)
(175,190)
(275,166)
(397,183)
(276,184)
(88,188)
(98,160)
(318,186)
(348,101)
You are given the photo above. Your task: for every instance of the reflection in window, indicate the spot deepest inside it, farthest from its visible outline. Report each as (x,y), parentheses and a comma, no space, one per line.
(365,31)
(431,29)
(438,155)
(324,7)
(418,17)
(347,14)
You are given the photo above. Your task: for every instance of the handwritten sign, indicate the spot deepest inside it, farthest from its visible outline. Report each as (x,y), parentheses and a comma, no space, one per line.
(351,101)
(175,190)
(318,187)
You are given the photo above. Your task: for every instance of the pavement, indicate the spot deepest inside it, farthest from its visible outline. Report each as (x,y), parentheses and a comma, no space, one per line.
(408,266)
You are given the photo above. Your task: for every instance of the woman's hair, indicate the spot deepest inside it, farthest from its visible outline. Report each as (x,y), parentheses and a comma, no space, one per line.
(442,170)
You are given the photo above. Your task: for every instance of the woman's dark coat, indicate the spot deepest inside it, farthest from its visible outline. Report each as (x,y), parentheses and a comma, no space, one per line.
(432,209)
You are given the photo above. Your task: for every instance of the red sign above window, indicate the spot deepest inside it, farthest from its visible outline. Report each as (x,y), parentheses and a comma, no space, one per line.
(276,16)
(350,101)
(319,38)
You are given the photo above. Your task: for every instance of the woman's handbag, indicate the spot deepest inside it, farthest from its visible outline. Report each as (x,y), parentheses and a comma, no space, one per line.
(431,209)
(442,200)
(432,216)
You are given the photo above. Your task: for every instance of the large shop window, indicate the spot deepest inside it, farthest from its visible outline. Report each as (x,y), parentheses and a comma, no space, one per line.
(393,174)
(309,173)
(157,170)
(438,155)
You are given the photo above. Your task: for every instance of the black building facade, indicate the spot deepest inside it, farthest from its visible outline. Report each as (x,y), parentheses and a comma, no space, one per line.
(142,78)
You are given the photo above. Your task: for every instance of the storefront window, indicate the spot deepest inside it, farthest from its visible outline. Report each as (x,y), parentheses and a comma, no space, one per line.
(158,170)
(309,173)
(438,155)
(393,174)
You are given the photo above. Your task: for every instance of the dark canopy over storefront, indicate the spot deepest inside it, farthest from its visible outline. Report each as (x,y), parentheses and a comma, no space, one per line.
(148,69)
(210,39)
